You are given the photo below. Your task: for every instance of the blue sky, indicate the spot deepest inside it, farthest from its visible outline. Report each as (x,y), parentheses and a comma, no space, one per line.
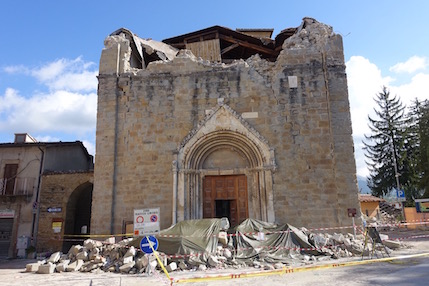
(50,50)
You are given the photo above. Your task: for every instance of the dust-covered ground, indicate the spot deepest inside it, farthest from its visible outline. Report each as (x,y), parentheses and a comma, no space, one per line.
(411,271)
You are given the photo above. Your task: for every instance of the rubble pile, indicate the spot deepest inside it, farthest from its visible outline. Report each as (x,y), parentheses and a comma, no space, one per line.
(122,257)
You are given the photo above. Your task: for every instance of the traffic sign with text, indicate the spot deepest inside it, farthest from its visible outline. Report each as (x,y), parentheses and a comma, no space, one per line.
(146,221)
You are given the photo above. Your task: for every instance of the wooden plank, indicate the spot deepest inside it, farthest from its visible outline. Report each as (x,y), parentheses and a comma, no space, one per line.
(248,45)
(207,50)
(227,49)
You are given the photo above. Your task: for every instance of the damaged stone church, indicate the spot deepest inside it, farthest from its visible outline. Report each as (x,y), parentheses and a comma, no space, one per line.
(224,123)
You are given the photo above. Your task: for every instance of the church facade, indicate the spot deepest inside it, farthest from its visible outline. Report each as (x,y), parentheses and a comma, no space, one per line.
(224,123)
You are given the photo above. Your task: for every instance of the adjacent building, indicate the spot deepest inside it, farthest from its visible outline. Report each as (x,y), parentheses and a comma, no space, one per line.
(27,195)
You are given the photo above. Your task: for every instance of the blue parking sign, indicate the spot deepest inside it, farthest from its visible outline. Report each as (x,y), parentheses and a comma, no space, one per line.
(146,242)
(400,194)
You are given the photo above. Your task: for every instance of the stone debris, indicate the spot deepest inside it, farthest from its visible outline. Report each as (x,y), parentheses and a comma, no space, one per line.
(46,268)
(392,244)
(74,266)
(61,267)
(55,257)
(32,267)
(96,256)
(171,267)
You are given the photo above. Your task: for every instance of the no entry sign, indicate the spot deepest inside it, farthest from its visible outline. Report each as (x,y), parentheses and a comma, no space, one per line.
(146,221)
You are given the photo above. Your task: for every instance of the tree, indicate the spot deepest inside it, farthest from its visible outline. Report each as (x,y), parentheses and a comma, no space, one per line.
(419,115)
(386,145)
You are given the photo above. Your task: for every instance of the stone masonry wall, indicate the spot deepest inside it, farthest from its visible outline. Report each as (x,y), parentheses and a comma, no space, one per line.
(143,116)
(55,193)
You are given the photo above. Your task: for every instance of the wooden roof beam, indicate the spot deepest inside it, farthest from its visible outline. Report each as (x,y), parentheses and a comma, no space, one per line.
(227,49)
(248,45)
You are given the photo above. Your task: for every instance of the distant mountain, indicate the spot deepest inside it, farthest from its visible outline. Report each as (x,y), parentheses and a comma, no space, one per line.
(363,187)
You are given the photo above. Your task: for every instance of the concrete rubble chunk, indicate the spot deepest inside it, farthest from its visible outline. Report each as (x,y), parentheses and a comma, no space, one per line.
(182,265)
(320,240)
(393,244)
(171,267)
(75,249)
(48,268)
(110,240)
(99,259)
(83,255)
(91,244)
(130,252)
(32,267)
(74,266)
(93,253)
(142,262)
(338,238)
(278,265)
(213,261)
(62,266)
(223,237)
(383,236)
(126,267)
(152,266)
(89,266)
(128,259)
(55,257)
(227,253)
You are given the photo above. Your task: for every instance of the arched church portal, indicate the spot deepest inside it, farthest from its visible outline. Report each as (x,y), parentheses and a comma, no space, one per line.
(224,169)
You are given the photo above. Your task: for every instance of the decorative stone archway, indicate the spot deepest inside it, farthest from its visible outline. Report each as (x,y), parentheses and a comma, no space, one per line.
(223,144)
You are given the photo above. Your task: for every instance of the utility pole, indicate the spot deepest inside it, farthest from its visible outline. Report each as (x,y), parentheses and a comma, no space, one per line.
(395,166)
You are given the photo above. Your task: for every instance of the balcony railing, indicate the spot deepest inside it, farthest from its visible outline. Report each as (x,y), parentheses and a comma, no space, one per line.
(17,186)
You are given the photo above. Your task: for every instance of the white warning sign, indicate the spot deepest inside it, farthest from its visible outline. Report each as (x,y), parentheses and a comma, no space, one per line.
(146,222)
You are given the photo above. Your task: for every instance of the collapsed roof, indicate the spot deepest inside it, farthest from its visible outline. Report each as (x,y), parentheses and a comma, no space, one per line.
(223,44)
(215,44)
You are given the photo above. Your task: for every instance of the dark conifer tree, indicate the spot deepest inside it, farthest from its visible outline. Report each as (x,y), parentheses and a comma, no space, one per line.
(385,147)
(419,115)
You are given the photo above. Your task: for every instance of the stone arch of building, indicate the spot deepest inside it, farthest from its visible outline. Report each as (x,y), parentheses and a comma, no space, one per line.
(78,212)
(223,132)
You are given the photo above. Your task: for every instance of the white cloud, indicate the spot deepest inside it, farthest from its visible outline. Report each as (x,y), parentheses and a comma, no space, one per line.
(51,70)
(64,74)
(17,69)
(90,146)
(418,87)
(57,111)
(365,80)
(66,104)
(47,138)
(413,64)
(84,81)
